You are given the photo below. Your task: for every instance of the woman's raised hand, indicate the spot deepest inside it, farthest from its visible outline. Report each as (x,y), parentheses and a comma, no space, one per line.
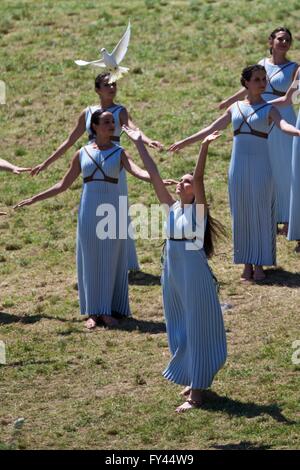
(25,202)
(134,134)
(211,137)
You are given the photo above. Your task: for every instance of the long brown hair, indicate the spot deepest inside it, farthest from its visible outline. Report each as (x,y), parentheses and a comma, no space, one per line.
(213,230)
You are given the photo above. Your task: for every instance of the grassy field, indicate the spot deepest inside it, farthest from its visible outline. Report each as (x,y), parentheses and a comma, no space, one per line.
(104,389)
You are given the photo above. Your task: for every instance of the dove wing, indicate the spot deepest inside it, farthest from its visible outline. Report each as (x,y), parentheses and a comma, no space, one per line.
(99,63)
(122,46)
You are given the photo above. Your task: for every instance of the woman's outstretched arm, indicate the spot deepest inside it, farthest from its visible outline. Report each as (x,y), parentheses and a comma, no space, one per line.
(239,95)
(133,168)
(198,178)
(219,124)
(282,124)
(138,172)
(75,134)
(159,185)
(61,186)
(6,166)
(126,120)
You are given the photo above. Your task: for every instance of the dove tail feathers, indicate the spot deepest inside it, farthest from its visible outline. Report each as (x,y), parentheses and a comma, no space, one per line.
(117,74)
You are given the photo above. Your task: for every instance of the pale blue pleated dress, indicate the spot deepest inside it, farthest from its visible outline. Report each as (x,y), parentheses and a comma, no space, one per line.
(279,79)
(251,187)
(194,322)
(102,265)
(133,264)
(294,221)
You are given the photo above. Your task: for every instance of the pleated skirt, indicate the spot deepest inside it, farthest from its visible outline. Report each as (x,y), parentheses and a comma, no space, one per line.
(102,265)
(194,322)
(280,151)
(133,264)
(294,219)
(252,202)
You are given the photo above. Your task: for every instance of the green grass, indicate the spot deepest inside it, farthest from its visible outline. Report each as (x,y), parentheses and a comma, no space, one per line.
(104,389)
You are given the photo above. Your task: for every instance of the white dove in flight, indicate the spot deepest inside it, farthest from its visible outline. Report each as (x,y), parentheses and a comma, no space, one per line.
(111,61)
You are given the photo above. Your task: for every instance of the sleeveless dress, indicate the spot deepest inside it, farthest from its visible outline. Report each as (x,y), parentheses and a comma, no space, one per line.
(294,225)
(101,262)
(251,187)
(133,264)
(193,315)
(279,79)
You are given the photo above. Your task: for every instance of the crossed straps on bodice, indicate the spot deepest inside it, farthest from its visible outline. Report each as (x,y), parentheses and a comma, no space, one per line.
(237,131)
(115,138)
(106,178)
(269,78)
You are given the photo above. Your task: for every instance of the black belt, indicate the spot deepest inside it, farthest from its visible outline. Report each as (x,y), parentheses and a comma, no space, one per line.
(107,179)
(256,133)
(182,239)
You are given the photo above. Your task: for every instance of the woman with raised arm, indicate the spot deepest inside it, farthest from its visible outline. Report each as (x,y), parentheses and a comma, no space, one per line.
(193,314)
(107,94)
(280,74)
(251,184)
(101,254)
(292,96)
(6,166)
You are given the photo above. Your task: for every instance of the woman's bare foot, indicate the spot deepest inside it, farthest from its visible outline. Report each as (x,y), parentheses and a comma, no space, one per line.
(194,401)
(189,405)
(91,323)
(185,392)
(259,274)
(247,274)
(108,320)
(297,248)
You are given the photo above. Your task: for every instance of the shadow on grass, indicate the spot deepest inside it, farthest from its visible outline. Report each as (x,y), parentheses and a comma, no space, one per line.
(215,402)
(142,326)
(7,318)
(243,445)
(143,279)
(126,324)
(280,277)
